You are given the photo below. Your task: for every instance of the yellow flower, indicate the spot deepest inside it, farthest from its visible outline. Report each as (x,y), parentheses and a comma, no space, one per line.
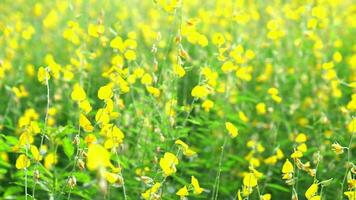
(274,94)
(250,180)
(168,164)
(351,105)
(150,192)
(203,40)
(261,108)
(20,92)
(102,116)
(114,137)
(207,105)
(35,153)
(199,91)
(78,93)
(195,184)
(169,6)
(89,139)
(210,75)
(266,197)
(218,39)
(271,160)
(105,92)
(319,12)
(297,154)
(301,138)
(130,43)
(312,23)
(51,20)
(25,139)
(279,153)
(337,57)
(37,9)
(228,66)
(178,70)
(244,73)
(111,177)
(130,55)
(273,91)
(185,148)
(117,60)
(146,79)
(42,75)
(117,43)
(337,148)
(249,54)
(182,192)
(85,106)
(350,194)
(312,190)
(276,98)
(50,160)
(95,30)
(233,131)
(303,148)
(351,127)
(287,167)
(85,123)
(98,157)
(154,91)
(139,72)
(22,162)
(243,117)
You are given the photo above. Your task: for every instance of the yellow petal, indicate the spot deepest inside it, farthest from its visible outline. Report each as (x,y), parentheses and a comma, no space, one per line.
(117,43)
(250,180)
(42,75)
(167,163)
(78,93)
(97,157)
(50,160)
(287,167)
(183,192)
(85,123)
(85,106)
(303,148)
(111,177)
(197,188)
(22,162)
(297,154)
(199,91)
(105,92)
(178,70)
(312,190)
(233,131)
(182,144)
(301,137)
(35,153)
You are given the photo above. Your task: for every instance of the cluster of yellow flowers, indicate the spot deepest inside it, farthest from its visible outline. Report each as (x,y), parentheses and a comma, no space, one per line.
(165,99)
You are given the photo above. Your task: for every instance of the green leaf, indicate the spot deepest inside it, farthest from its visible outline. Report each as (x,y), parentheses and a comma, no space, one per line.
(11,140)
(68,148)
(278,187)
(195,122)
(3,171)
(11,190)
(82,177)
(326,182)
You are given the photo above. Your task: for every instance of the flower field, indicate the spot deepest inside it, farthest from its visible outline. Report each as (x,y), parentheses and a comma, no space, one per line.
(178,99)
